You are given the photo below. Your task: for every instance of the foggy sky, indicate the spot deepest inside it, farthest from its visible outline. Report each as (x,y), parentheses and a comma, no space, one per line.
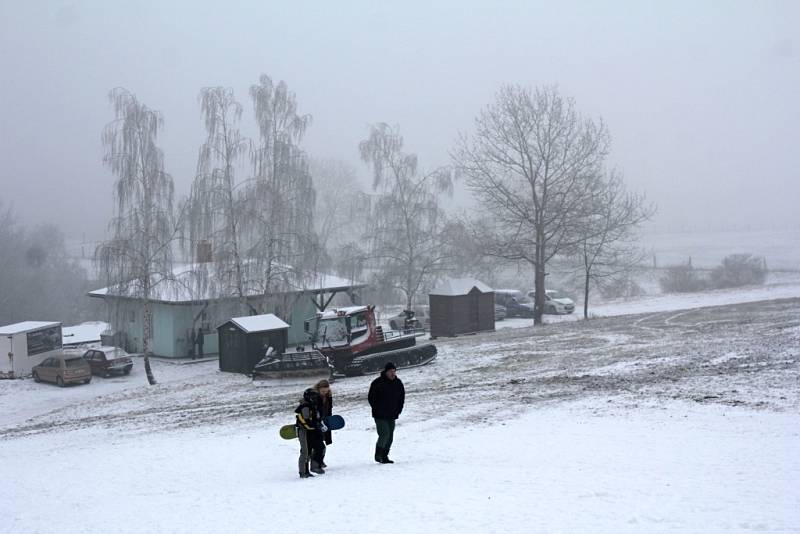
(702,98)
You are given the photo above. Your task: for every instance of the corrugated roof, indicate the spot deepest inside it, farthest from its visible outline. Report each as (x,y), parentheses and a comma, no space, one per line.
(259,323)
(460,286)
(25,326)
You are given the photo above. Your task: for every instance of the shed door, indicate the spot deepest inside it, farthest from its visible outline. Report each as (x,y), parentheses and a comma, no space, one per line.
(474,310)
(232,356)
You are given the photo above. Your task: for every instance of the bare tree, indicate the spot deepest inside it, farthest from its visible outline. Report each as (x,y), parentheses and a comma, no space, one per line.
(531,162)
(464,233)
(37,278)
(342,216)
(138,257)
(406,236)
(216,210)
(11,239)
(281,197)
(606,241)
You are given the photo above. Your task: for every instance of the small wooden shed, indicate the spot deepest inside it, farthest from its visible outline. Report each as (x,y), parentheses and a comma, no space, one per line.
(461,306)
(243,341)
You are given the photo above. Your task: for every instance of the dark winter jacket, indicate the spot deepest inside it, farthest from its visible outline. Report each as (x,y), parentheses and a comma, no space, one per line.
(308,412)
(386,397)
(326,410)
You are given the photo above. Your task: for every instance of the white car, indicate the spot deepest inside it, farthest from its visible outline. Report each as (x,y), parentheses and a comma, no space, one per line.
(555,302)
(421,315)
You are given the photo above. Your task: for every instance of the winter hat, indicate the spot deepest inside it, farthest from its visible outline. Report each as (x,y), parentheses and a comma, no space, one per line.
(311,395)
(389,365)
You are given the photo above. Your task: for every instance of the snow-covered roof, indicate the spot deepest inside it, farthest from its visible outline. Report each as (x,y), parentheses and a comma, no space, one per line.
(460,286)
(197,282)
(259,323)
(336,312)
(83,333)
(25,326)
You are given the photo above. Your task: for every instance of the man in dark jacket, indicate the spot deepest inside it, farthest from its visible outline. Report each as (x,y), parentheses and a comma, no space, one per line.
(386,397)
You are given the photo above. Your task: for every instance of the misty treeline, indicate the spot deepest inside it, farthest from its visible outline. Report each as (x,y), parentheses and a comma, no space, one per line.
(38,281)
(735,270)
(263,218)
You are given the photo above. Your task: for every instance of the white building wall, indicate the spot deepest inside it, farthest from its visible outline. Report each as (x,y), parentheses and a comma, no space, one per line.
(20,364)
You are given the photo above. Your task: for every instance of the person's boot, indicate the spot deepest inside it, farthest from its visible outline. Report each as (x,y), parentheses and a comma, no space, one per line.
(378,454)
(316,468)
(385,457)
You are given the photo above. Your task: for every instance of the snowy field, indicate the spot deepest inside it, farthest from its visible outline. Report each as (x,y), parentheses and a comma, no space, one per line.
(684,417)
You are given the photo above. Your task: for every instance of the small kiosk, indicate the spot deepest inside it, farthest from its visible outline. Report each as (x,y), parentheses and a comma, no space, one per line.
(243,341)
(461,306)
(25,344)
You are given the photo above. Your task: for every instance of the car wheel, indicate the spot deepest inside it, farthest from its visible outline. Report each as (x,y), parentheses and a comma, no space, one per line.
(87,381)
(393,325)
(36,377)
(550,310)
(128,371)
(59,381)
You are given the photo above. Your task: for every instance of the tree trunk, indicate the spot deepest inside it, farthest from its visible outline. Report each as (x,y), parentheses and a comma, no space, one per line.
(586,296)
(539,286)
(148,316)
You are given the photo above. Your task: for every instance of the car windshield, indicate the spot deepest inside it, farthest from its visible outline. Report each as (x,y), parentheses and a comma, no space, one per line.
(522,299)
(74,362)
(332,330)
(358,321)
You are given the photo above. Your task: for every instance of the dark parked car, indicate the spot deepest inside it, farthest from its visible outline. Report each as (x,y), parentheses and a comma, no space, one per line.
(106,361)
(63,369)
(515,302)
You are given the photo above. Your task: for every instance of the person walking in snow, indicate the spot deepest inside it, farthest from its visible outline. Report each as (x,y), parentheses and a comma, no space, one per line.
(310,429)
(386,397)
(323,387)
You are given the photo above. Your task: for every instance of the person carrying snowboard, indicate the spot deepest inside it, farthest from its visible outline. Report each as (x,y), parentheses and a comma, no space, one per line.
(323,387)
(386,397)
(310,429)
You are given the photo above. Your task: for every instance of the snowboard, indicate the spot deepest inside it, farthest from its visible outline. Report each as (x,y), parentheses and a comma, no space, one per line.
(333,422)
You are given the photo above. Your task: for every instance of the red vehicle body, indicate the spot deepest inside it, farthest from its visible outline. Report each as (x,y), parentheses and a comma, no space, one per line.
(106,361)
(355,344)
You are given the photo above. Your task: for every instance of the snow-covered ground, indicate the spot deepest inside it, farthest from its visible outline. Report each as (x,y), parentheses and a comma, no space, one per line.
(674,467)
(778,286)
(682,418)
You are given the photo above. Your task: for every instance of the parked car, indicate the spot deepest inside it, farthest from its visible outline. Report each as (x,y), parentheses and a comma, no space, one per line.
(555,302)
(106,361)
(515,302)
(499,312)
(422,318)
(63,369)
